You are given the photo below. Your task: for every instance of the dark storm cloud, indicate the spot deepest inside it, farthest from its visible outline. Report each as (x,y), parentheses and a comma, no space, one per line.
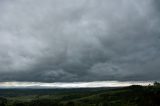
(79,40)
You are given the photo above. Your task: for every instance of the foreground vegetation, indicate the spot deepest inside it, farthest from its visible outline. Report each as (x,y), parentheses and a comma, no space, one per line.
(128,96)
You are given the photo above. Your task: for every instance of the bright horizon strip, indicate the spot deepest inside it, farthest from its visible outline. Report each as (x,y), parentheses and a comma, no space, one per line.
(72,84)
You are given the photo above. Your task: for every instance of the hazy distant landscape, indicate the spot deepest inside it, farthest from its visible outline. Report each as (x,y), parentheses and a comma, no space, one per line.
(135,95)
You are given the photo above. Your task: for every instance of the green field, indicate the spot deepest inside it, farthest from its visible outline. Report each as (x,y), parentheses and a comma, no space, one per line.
(126,96)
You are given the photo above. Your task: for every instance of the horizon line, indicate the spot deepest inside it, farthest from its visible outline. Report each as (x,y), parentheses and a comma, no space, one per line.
(92,84)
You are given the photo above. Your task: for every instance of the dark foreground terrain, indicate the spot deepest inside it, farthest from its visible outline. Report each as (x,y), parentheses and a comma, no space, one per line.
(127,96)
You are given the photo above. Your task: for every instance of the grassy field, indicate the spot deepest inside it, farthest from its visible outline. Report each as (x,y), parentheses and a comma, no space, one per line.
(127,96)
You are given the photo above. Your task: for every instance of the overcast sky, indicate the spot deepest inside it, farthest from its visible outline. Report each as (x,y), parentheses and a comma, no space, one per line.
(79,40)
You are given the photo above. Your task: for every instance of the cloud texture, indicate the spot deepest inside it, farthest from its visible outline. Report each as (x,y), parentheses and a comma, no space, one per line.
(79,40)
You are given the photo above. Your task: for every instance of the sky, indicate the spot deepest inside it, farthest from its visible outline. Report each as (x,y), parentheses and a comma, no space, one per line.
(94,84)
(52,41)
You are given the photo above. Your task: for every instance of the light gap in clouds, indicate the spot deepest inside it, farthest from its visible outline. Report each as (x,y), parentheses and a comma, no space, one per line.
(71,85)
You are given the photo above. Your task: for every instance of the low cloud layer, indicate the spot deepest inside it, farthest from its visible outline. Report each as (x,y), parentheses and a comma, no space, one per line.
(79,40)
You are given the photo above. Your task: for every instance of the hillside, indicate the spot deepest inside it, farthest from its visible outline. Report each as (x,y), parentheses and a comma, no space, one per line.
(127,96)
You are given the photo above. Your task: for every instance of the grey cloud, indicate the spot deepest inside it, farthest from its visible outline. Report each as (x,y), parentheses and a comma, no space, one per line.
(79,40)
